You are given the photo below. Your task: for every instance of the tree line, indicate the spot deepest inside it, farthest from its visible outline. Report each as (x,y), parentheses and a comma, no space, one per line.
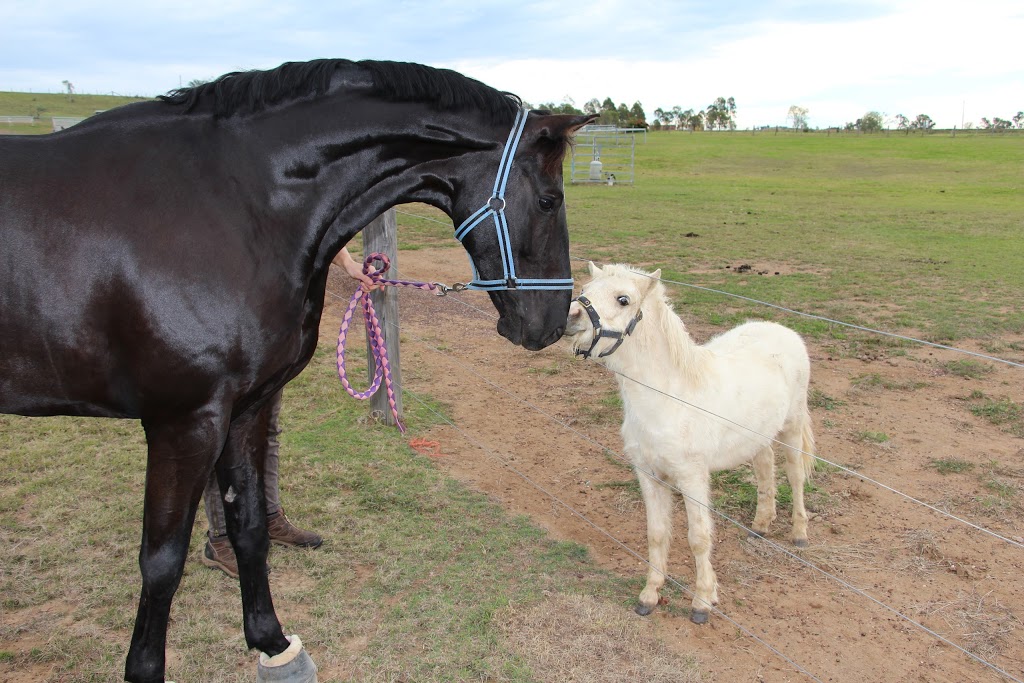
(608,113)
(719,115)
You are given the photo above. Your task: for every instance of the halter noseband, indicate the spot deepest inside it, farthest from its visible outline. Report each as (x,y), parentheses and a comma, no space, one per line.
(600,332)
(495,207)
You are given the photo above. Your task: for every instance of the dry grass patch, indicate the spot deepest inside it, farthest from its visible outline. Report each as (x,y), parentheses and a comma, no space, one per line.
(983,624)
(580,639)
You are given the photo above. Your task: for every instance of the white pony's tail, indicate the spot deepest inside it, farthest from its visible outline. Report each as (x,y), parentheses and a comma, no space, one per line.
(807,445)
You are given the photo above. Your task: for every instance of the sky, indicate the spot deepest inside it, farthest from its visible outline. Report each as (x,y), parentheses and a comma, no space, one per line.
(955,62)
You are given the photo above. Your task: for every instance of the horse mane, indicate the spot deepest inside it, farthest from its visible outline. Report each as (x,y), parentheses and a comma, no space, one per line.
(661,321)
(243,92)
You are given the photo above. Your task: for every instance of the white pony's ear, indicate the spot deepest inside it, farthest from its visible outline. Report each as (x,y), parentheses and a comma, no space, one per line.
(592,267)
(652,280)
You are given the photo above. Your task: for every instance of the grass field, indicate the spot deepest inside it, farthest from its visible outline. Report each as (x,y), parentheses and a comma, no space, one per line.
(913,234)
(45,106)
(908,233)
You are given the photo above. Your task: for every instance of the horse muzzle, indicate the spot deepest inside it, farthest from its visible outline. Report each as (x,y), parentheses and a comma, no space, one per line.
(532,319)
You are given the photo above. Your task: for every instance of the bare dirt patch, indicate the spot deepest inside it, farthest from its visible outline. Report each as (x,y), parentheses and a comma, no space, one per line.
(533,421)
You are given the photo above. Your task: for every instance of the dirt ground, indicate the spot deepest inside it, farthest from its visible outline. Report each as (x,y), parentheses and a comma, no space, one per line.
(890,416)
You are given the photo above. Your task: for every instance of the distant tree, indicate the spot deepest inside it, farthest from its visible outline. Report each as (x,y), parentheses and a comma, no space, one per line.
(593,106)
(996,123)
(1018,119)
(622,112)
(902,123)
(660,117)
(677,117)
(798,117)
(720,114)
(871,122)
(563,108)
(70,88)
(694,120)
(922,122)
(637,117)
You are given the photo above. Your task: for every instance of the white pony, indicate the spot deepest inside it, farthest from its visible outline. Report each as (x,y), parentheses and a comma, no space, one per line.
(755,375)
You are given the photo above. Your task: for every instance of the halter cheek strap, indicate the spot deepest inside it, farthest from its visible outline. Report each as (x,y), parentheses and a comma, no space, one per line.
(600,332)
(495,209)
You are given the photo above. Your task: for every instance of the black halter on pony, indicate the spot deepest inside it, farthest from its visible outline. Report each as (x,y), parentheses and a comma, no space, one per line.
(601,333)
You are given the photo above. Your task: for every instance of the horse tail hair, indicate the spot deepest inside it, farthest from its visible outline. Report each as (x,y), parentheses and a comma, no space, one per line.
(807,445)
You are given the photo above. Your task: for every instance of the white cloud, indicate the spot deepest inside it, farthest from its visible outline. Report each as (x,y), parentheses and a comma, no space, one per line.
(837,59)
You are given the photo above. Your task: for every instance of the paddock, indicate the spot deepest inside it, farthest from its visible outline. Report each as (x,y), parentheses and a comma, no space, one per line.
(411,610)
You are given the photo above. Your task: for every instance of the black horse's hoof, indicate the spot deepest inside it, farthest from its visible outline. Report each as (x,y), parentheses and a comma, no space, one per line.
(643,610)
(699,616)
(800,542)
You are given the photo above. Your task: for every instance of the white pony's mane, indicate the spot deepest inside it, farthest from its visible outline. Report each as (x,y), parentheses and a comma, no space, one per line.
(661,326)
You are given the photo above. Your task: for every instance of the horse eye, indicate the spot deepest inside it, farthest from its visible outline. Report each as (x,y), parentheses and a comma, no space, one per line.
(624,300)
(546,203)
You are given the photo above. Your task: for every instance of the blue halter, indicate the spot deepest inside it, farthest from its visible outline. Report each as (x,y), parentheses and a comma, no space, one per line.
(495,207)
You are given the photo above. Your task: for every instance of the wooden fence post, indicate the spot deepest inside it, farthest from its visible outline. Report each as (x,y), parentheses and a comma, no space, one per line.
(381,235)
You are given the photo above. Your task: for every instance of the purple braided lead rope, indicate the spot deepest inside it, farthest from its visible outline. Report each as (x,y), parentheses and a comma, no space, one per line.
(382,373)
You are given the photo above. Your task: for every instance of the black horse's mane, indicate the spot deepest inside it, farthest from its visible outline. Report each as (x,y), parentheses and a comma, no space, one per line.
(250,91)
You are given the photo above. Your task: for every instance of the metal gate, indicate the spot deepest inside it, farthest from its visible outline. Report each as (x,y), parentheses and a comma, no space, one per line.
(604,155)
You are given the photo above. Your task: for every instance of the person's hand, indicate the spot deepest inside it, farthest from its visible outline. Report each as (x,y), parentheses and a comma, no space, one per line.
(355,270)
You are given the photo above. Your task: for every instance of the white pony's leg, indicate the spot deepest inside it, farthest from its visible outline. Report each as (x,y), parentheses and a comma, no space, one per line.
(798,467)
(764,473)
(701,527)
(658,503)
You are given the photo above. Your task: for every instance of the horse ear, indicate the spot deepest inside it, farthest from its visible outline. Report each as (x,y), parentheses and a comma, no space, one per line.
(561,126)
(653,280)
(594,270)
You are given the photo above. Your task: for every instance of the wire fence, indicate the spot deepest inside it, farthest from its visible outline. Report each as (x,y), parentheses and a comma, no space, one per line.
(846,585)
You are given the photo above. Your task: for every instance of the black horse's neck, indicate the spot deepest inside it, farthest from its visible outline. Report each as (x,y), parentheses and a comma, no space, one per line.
(323,166)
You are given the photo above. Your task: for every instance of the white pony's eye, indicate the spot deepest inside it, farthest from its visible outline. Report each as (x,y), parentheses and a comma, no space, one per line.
(624,300)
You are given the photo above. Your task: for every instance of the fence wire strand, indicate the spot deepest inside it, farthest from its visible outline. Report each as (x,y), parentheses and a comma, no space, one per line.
(724,516)
(923,342)
(776,546)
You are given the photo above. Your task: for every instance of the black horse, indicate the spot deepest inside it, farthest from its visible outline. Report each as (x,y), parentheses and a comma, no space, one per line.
(167,261)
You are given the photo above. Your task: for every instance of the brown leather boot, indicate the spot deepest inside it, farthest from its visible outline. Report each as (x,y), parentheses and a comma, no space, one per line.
(218,554)
(284,532)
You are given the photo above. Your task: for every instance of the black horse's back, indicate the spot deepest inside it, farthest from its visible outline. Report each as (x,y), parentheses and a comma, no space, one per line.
(168,260)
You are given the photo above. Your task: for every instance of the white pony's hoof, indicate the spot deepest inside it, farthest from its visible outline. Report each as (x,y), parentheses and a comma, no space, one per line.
(291,666)
(699,616)
(643,610)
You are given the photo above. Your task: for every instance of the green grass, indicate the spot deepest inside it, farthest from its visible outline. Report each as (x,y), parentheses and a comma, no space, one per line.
(414,569)
(889,232)
(951,465)
(873,380)
(871,437)
(47,105)
(734,493)
(819,399)
(1005,413)
(967,368)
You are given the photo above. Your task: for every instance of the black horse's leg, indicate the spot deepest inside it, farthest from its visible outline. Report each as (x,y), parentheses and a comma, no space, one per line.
(181,455)
(240,471)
